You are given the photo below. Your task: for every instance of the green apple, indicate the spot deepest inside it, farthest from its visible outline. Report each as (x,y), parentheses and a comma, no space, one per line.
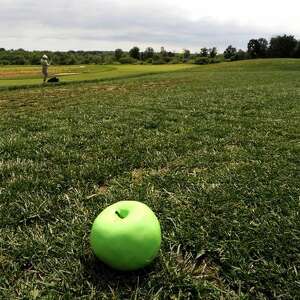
(126,235)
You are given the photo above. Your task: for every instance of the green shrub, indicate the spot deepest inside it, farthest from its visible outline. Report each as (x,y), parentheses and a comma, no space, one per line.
(214,60)
(166,59)
(4,62)
(175,61)
(201,61)
(127,60)
(158,62)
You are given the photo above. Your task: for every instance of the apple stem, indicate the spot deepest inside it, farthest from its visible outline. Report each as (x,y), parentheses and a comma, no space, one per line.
(118,214)
(122,213)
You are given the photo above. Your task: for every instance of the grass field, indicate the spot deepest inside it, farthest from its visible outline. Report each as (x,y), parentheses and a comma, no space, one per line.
(213,150)
(31,75)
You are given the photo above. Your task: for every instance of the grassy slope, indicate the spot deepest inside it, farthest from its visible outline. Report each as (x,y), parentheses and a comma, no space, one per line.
(31,75)
(212,150)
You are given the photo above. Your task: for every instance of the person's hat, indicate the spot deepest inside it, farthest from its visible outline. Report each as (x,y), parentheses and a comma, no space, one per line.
(45,56)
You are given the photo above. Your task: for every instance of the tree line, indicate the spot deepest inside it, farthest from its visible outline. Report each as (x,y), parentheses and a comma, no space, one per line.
(285,46)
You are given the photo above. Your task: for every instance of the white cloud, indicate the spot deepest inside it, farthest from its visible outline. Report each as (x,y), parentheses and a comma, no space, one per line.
(106,25)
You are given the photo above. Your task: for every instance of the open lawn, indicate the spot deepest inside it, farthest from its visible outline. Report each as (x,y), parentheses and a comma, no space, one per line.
(31,75)
(213,150)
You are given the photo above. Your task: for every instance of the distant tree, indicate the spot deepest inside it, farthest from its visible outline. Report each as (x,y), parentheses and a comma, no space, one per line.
(19,60)
(65,58)
(157,59)
(257,48)
(126,59)
(5,62)
(282,46)
(229,52)
(59,57)
(2,49)
(134,52)
(212,52)
(164,53)
(204,52)
(148,53)
(118,53)
(108,59)
(253,48)
(70,59)
(296,52)
(35,59)
(186,54)
(20,56)
(202,60)
(263,43)
(240,55)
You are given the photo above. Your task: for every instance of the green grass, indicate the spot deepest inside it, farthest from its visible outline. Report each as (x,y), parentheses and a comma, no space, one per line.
(11,76)
(212,150)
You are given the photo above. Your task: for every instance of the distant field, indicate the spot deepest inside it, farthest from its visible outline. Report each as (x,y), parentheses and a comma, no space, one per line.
(27,75)
(213,150)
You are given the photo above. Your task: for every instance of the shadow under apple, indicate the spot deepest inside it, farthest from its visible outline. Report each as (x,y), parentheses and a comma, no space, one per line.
(104,277)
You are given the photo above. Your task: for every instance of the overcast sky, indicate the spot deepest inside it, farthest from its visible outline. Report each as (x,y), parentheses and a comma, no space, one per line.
(174,24)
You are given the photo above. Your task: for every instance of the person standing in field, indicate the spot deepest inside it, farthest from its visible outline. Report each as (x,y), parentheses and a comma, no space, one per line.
(45,64)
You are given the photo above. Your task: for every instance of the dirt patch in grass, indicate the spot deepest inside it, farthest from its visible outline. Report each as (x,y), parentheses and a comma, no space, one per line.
(195,271)
(101,190)
(137,175)
(22,73)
